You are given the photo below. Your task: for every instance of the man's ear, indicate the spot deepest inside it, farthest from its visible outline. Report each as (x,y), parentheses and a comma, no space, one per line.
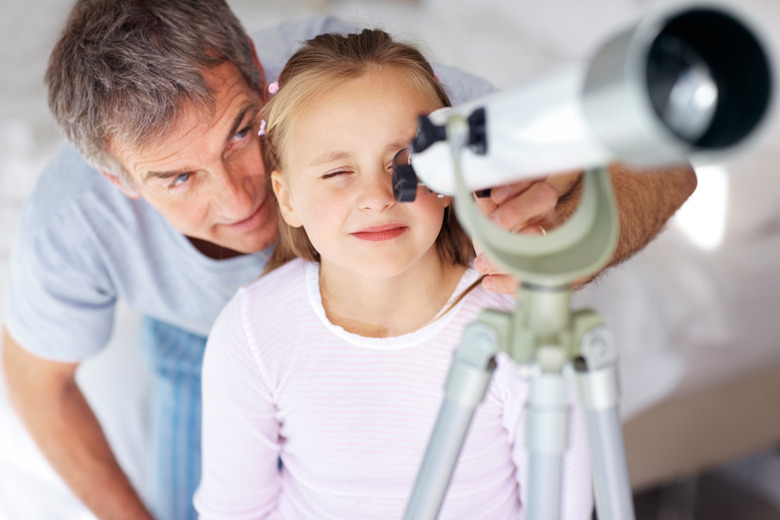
(119,183)
(284,200)
(259,66)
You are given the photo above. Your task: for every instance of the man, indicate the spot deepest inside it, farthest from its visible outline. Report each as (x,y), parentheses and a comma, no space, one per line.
(172,216)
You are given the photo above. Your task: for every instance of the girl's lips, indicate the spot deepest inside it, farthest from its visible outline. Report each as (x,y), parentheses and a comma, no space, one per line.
(380,233)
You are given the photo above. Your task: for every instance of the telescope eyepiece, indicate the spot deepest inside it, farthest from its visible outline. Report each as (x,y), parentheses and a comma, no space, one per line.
(404,177)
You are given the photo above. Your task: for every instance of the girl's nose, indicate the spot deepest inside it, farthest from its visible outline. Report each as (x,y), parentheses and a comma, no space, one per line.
(377,191)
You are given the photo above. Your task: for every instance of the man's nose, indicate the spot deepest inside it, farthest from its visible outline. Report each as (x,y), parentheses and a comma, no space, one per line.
(235,191)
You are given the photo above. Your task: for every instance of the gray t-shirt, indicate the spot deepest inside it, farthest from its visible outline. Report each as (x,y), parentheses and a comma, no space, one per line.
(83,244)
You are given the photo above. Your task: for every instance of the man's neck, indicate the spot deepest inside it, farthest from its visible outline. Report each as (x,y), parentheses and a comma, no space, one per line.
(212,250)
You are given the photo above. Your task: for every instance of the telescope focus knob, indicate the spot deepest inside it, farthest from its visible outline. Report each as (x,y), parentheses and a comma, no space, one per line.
(427,134)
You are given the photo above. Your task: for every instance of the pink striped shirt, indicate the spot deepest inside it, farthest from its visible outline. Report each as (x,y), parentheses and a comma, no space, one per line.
(350,416)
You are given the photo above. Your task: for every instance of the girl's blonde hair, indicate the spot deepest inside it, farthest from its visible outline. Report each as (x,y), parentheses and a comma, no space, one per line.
(323,63)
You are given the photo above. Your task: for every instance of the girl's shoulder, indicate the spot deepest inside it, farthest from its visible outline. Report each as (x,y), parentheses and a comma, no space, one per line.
(273,289)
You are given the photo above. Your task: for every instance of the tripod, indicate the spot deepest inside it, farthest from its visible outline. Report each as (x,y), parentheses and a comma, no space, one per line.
(546,335)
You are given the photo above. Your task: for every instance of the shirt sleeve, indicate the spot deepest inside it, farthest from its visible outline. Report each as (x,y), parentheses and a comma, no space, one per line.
(240,442)
(59,302)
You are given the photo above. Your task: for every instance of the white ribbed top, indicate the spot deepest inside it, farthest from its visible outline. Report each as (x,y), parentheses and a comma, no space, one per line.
(350,416)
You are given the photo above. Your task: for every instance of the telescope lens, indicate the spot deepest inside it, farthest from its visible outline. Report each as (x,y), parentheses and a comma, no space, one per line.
(708,79)
(685,96)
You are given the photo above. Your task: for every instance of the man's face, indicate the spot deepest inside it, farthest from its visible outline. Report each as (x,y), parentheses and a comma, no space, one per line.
(207,179)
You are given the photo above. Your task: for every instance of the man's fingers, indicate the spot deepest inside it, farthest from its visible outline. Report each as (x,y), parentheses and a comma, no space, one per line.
(535,204)
(485,205)
(564,181)
(495,280)
(501,283)
(483,265)
(500,194)
(524,207)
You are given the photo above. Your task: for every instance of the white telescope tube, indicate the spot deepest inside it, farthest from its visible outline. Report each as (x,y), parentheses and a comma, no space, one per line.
(691,81)
(539,129)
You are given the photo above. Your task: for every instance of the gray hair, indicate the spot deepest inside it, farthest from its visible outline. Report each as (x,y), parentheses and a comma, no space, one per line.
(124,70)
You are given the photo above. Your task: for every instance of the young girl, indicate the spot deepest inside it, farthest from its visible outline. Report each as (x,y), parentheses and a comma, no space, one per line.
(334,362)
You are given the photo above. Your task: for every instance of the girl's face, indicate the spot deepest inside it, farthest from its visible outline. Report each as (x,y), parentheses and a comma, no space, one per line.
(338,184)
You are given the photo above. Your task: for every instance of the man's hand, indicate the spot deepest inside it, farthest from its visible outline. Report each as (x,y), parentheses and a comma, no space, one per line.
(529,207)
(645,198)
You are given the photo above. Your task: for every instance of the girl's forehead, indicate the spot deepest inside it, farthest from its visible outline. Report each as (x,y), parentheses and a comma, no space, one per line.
(360,118)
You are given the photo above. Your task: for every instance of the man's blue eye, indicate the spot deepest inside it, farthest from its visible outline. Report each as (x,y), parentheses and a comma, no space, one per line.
(181,179)
(241,133)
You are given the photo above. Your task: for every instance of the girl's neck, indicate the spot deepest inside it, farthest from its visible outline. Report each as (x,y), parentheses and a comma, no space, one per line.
(387,307)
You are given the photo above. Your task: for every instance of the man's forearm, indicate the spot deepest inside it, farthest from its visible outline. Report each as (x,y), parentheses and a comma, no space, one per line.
(645,199)
(58,417)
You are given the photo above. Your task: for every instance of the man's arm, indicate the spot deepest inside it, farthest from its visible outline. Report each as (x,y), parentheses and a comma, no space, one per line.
(47,398)
(645,198)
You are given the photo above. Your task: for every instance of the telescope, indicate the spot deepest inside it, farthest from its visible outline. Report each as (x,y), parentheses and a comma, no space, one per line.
(690,82)
(693,81)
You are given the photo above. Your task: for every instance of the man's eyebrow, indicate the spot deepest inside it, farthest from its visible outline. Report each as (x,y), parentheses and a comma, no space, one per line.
(246,108)
(164,175)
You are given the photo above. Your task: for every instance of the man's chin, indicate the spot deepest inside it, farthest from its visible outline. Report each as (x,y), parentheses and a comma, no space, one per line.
(214,250)
(230,246)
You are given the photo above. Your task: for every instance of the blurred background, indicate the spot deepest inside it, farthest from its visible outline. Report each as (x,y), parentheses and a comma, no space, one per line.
(694,315)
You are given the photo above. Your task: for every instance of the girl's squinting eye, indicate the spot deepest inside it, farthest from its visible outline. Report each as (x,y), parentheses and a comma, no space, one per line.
(334,173)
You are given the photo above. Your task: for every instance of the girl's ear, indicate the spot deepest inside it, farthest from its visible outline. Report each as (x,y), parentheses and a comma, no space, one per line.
(284,199)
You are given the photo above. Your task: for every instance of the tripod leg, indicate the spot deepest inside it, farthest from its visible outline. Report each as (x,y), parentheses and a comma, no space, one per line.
(546,438)
(599,395)
(467,381)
